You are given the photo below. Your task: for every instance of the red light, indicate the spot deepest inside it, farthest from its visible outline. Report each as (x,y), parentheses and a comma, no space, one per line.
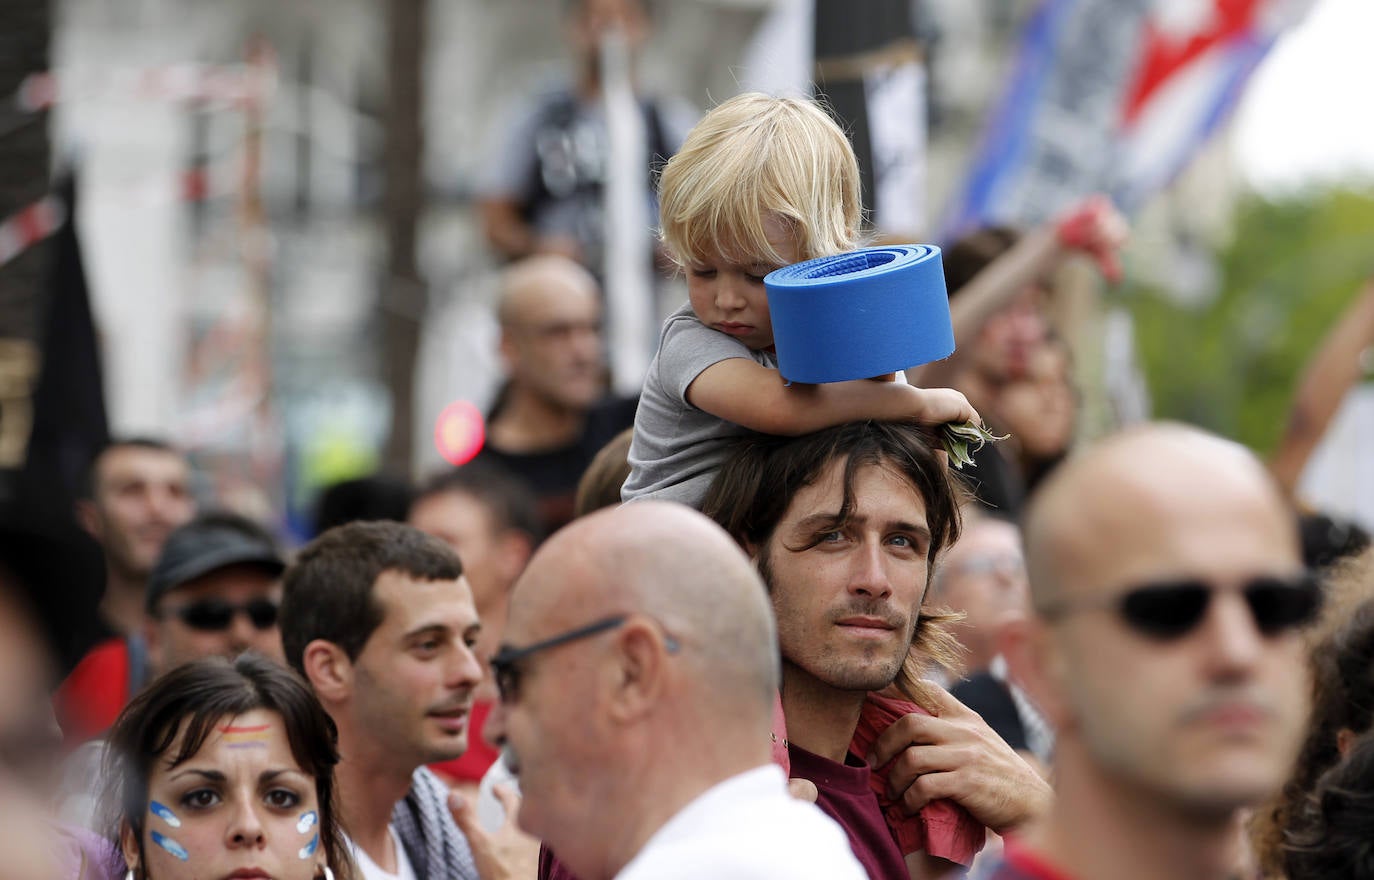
(459,432)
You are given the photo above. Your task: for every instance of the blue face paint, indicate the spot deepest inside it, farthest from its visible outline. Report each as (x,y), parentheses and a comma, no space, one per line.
(165,814)
(307,821)
(171,846)
(309,849)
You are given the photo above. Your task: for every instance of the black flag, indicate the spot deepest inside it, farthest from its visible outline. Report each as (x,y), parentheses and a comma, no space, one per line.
(69,425)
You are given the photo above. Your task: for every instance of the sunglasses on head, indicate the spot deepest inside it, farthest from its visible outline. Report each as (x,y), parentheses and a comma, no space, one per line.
(1173,609)
(212,615)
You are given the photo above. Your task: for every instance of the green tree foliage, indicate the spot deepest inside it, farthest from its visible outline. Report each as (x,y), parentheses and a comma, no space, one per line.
(1230,365)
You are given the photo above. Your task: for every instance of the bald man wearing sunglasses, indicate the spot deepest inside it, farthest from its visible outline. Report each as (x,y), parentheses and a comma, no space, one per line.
(1169,593)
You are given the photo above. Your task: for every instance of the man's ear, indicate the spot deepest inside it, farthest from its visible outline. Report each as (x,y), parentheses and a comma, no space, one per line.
(636,670)
(129,846)
(505,348)
(329,671)
(1037,665)
(88,517)
(514,548)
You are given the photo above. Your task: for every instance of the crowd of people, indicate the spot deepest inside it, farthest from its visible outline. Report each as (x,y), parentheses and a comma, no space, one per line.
(735,627)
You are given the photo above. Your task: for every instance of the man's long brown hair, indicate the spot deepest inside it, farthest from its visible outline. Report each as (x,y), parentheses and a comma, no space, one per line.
(754,489)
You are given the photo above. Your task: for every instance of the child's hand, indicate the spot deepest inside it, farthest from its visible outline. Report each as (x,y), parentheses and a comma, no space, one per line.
(937,406)
(1096,228)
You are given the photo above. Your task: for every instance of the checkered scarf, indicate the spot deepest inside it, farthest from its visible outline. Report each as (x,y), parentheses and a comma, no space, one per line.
(436,848)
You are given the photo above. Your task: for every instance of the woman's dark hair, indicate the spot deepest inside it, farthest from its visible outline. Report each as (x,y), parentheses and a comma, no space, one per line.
(1331,835)
(172,718)
(1342,670)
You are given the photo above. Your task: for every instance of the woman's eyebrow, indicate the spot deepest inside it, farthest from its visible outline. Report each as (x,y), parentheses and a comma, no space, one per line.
(212,775)
(273,773)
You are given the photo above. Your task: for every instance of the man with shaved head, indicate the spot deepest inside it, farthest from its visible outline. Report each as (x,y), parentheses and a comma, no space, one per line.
(552,416)
(1168,590)
(637,679)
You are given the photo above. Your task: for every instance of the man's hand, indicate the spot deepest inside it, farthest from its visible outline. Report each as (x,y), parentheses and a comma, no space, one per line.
(1096,228)
(955,755)
(506,854)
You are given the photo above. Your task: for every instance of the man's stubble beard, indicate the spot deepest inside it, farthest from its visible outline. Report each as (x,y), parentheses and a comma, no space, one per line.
(838,675)
(391,725)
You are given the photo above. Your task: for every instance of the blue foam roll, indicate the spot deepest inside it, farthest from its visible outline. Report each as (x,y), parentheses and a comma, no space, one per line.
(861,314)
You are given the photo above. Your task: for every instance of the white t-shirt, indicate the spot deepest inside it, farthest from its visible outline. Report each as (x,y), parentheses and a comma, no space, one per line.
(371,871)
(747,828)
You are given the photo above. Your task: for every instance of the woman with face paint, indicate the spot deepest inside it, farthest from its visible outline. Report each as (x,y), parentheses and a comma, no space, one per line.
(225,771)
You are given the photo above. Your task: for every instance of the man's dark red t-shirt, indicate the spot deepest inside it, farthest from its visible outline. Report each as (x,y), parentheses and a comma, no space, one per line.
(846,796)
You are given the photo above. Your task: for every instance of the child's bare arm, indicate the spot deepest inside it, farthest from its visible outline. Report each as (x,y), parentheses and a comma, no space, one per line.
(753,396)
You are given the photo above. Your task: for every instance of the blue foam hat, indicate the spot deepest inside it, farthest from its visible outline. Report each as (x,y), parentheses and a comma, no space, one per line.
(860,314)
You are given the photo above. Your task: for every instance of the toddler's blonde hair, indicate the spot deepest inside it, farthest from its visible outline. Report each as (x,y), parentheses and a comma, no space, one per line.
(755,156)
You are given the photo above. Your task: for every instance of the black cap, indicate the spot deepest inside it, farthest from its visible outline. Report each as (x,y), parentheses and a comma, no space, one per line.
(208,543)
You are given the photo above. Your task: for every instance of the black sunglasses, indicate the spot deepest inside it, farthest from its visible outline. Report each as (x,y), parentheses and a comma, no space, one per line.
(212,615)
(1172,609)
(505,662)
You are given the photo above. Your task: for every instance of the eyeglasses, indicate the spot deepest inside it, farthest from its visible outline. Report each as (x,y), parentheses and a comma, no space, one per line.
(1006,565)
(505,663)
(213,615)
(560,330)
(1172,610)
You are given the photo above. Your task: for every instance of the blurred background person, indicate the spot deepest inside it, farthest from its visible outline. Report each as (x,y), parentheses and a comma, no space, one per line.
(214,591)
(983,576)
(39,565)
(362,499)
(136,492)
(601,482)
(1040,412)
(224,769)
(1340,661)
(553,413)
(1001,285)
(490,521)
(543,189)
(1332,371)
(1330,836)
